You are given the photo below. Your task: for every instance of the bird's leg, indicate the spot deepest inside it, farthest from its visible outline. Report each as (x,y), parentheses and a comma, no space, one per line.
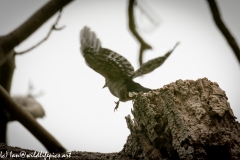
(117,104)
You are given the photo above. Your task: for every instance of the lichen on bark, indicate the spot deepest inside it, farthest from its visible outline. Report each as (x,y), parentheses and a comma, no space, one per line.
(183,120)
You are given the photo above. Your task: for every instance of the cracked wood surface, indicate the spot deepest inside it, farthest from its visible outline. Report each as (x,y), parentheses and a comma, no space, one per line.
(183,120)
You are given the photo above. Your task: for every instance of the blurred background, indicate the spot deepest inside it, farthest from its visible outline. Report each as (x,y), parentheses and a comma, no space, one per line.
(79,113)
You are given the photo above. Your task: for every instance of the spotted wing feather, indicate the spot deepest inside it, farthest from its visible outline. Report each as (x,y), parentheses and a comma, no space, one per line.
(152,64)
(109,64)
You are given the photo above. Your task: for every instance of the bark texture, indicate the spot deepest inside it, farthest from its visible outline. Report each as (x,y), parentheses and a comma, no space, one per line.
(183,120)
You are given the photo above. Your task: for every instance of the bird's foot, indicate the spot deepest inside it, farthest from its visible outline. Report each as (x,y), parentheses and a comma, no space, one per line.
(117,104)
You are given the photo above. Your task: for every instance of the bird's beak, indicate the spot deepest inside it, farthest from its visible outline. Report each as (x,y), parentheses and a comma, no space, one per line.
(105,85)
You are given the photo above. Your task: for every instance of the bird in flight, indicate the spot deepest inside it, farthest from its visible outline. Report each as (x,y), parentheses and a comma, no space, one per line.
(116,69)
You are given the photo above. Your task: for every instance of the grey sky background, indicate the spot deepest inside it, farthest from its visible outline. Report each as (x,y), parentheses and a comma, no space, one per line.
(79,113)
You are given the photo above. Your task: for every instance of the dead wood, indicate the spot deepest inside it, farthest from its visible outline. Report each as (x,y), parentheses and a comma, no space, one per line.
(183,120)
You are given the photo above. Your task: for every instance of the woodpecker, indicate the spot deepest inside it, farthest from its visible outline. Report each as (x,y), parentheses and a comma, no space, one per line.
(116,69)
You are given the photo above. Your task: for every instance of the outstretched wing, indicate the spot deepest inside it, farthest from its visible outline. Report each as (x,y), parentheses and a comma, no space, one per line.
(109,64)
(152,64)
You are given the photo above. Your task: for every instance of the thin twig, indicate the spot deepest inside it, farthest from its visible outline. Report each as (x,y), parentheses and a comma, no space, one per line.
(49,33)
(27,28)
(217,18)
(131,22)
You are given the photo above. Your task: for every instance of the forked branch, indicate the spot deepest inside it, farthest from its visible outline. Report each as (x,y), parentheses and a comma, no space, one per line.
(131,22)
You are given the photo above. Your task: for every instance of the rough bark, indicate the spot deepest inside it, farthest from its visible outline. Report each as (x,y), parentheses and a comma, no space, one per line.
(183,120)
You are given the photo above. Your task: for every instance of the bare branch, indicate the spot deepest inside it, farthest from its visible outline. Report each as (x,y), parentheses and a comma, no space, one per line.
(28,121)
(131,22)
(6,75)
(7,65)
(226,33)
(48,35)
(8,42)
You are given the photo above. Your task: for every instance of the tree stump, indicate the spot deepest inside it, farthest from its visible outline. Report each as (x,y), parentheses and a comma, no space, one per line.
(183,120)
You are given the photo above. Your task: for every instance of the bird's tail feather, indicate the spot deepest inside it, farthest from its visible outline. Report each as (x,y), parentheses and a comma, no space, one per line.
(89,41)
(135,87)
